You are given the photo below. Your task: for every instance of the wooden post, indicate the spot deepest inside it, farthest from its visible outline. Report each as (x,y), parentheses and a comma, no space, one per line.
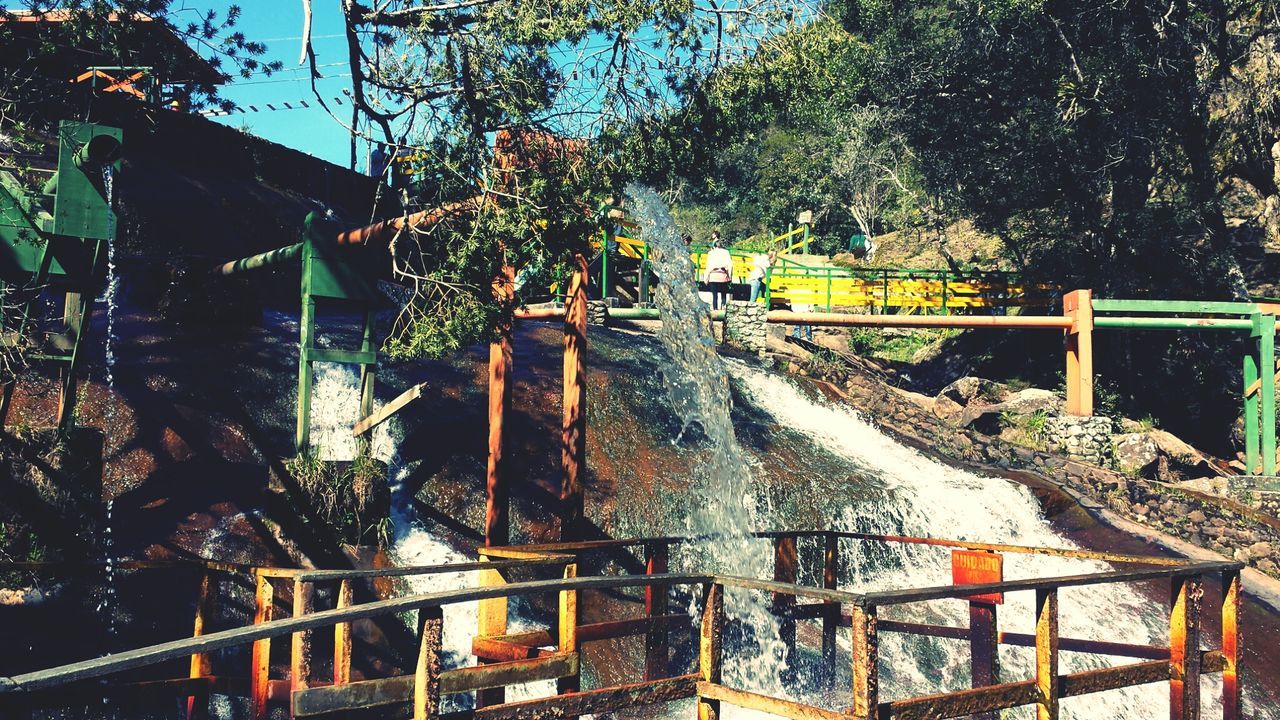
(984,658)
(497,525)
(426,676)
(491,621)
(1231,595)
(300,649)
(342,638)
(785,568)
(261,673)
(710,647)
(1184,648)
(1078,305)
(76,311)
(657,558)
(567,630)
(202,663)
(573,447)
(866,675)
(831,619)
(1047,654)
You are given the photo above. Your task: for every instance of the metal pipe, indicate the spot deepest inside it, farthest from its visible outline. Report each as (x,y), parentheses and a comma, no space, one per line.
(1163,323)
(1027,322)
(634,313)
(545,313)
(381,233)
(271,257)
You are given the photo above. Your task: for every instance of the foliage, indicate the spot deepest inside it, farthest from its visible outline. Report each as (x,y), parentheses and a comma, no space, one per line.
(1027,430)
(346,496)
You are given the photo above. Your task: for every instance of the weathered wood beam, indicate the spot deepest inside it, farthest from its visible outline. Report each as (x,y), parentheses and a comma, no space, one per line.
(573,438)
(711,648)
(766,704)
(588,702)
(386,411)
(1047,688)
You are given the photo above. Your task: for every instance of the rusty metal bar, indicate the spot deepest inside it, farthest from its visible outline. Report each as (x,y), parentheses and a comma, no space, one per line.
(984,648)
(1023,549)
(1047,655)
(866,661)
(1184,648)
(657,559)
(549,313)
(573,445)
(711,647)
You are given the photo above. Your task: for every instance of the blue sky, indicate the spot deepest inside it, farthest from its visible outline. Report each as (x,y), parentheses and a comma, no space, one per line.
(278,23)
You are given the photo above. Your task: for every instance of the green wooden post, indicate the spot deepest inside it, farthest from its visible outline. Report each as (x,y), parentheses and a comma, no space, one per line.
(768,288)
(306,323)
(604,267)
(1250,414)
(644,273)
(828,289)
(945,277)
(367,374)
(884,309)
(1265,329)
(805,236)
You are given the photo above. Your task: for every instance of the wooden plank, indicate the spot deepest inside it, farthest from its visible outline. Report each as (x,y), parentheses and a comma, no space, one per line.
(831,619)
(766,704)
(567,630)
(386,411)
(367,694)
(407,570)
(961,703)
(1092,681)
(589,702)
(786,566)
(1047,689)
(1021,549)
(93,693)
(657,557)
(497,530)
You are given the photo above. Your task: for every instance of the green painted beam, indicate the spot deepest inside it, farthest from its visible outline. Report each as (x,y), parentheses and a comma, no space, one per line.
(1264,327)
(1174,306)
(1161,323)
(330,355)
(1251,440)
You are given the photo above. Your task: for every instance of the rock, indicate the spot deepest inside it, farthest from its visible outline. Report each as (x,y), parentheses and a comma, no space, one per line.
(1030,400)
(1196,517)
(1135,452)
(1268,567)
(967,389)
(1260,550)
(1241,555)
(1140,510)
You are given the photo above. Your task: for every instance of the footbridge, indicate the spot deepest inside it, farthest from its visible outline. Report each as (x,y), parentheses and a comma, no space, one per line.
(299,637)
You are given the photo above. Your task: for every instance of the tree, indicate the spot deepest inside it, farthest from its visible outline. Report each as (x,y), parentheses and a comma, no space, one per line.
(444,78)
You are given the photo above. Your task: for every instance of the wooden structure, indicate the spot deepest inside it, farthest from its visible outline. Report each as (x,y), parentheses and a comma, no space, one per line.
(54,244)
(555,652)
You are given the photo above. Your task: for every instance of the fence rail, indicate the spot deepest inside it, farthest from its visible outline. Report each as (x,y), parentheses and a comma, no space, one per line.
(554,653)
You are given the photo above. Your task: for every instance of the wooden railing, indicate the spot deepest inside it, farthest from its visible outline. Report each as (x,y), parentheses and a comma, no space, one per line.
(554,653)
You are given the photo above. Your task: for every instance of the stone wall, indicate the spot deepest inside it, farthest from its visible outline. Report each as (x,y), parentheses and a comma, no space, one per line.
(745,325)
(1087,439)
(597,312)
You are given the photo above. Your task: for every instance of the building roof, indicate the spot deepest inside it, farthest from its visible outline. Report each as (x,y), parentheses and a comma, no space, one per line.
(152,40)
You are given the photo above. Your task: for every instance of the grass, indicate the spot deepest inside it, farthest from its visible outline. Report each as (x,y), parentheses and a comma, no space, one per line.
(342,494)
(900,346)
(1029,430)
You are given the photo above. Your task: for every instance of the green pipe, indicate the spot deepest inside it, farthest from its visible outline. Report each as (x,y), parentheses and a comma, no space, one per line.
(1159,323)
(272,257)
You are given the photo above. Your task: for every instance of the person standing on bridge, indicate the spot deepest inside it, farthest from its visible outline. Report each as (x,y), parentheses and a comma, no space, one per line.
(719,272)
(760,272)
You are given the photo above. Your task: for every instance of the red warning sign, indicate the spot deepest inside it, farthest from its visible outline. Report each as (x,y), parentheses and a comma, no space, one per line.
(975,567)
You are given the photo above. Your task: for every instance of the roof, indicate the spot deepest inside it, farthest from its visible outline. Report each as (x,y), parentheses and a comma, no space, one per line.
(155,37)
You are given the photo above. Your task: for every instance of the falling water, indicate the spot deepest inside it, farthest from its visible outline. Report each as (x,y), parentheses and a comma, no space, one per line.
(108,604)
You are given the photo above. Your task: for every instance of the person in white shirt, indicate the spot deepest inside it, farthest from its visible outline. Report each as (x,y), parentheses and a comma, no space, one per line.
(719,272)
(759,271)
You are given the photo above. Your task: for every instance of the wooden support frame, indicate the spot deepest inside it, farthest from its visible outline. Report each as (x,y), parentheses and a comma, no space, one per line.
(1047,691)
(866,663)
(711,647)
(497,530)
(786,567)
(1232,589)
(260,673)
(1077,305)
(300,644)
(202,663)
(831,618)
(342,636)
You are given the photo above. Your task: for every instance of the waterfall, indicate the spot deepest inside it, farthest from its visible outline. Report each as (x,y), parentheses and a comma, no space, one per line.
(108,604)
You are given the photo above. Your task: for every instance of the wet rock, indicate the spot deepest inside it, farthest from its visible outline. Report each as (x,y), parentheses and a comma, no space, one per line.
(968,389)
(1135,452)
